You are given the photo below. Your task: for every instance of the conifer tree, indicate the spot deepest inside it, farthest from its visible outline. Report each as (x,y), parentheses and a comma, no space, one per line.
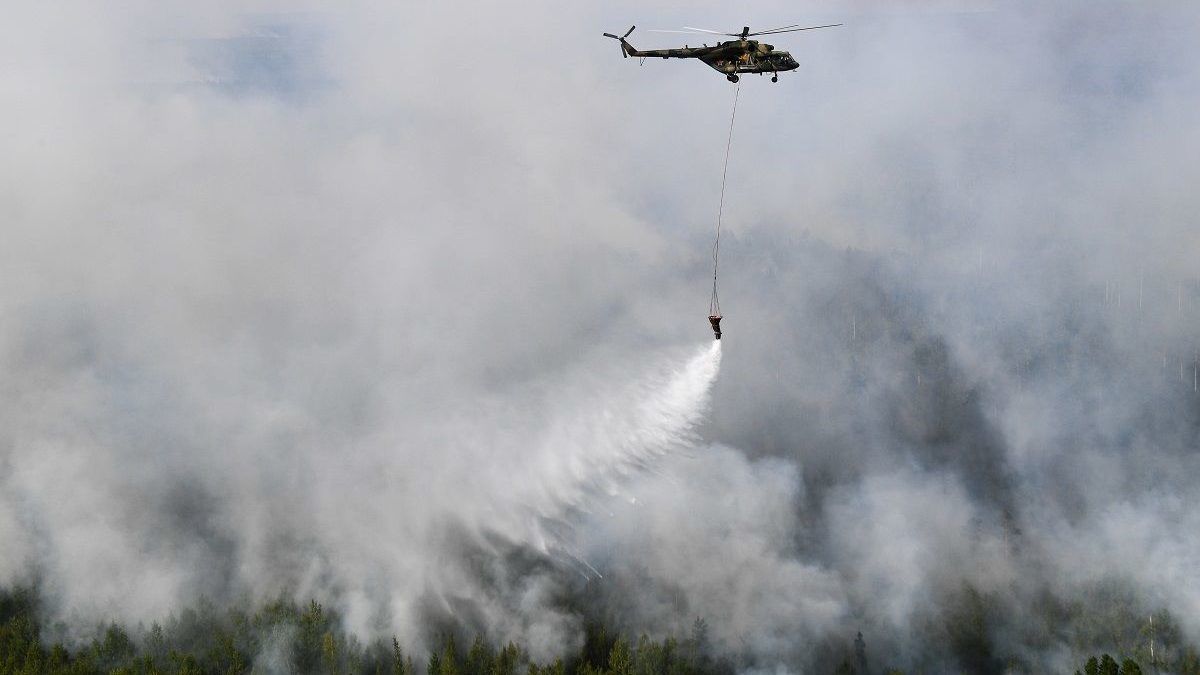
(620,662)
(479,658)
(397,658)
(329,653)
(449,664)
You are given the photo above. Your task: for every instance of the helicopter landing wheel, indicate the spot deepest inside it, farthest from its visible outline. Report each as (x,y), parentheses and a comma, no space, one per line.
(774,78)
(732,78)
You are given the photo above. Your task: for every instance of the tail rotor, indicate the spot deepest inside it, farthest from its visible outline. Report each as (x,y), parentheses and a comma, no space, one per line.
(621,39)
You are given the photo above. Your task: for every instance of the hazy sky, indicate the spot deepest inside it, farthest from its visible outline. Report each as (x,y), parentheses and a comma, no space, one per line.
(376,302)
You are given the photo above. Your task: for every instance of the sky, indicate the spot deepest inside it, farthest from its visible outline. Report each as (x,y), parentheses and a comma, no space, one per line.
(403,306)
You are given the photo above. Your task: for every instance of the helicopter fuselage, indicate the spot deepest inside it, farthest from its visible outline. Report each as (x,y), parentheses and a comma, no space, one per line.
(731,58)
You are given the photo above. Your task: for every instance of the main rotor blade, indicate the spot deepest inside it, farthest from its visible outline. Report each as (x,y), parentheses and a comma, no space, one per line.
(685,32)
(714,32)
(768,30)
(793,30)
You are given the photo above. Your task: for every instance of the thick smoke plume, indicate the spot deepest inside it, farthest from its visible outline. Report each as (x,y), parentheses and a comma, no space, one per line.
(340,303)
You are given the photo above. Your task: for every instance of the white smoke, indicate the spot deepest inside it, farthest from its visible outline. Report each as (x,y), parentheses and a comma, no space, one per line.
(335,326)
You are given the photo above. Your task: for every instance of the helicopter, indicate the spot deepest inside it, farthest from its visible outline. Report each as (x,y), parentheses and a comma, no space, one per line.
(731,57)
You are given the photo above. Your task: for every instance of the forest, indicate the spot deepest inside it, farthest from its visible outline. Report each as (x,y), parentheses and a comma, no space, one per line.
(283,636)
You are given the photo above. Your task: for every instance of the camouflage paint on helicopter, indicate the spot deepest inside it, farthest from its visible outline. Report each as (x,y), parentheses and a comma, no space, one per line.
(732,57)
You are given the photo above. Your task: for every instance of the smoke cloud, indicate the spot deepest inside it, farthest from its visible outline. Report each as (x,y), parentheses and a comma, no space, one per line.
(403,311)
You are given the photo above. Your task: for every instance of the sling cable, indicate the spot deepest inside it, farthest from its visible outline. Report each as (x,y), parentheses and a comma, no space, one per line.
(714,304)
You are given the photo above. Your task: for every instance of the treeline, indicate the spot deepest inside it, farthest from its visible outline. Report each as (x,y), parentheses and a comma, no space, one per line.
(1107,665)
(285,637)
